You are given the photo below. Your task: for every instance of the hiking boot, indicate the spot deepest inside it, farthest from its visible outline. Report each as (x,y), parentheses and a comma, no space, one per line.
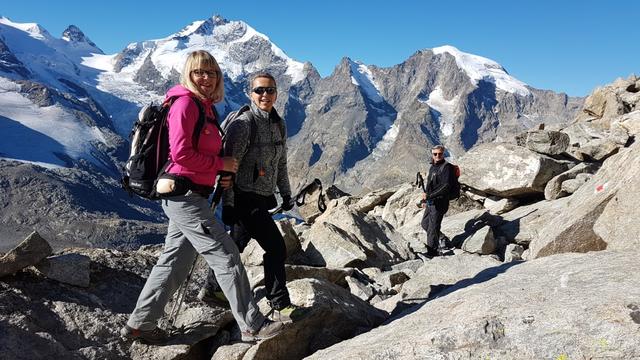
(268,330)
(153,337)
(216,298)
(289,313)
(431,252)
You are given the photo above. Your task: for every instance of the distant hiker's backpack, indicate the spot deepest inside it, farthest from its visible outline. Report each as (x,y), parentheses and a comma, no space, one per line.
(150,148)
(252,138)
(454,187)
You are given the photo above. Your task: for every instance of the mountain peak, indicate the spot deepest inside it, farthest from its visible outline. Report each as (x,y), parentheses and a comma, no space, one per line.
(481,68)
(73,34)
(203,27)
(34,29)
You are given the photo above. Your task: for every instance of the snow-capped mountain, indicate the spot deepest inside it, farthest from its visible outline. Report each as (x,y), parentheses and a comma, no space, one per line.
(47,109)
(65,104)
(143,71)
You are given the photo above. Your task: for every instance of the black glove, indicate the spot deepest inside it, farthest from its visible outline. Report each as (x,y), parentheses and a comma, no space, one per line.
(228,215)
(287,203)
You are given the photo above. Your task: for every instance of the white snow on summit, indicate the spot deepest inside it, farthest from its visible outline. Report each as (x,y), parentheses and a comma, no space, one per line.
(481,68)
(168,54)
(34,30)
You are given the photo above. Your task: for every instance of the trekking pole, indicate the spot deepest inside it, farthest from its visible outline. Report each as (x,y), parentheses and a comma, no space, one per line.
(182,292)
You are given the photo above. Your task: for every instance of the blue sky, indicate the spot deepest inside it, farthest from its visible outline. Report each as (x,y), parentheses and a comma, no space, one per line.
(565,46)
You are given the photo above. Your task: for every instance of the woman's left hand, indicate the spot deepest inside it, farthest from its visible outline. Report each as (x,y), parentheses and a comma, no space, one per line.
(226,181)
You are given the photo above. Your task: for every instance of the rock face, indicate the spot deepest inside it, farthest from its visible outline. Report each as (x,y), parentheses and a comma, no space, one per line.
(29,252)
(580,313)
(508,170)
(610,193)
(547,142)
(55,203)
(360,241)
(553,189)
(9,63)
(70,269)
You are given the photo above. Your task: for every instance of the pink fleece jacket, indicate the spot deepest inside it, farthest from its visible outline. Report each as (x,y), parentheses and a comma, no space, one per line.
(199,166)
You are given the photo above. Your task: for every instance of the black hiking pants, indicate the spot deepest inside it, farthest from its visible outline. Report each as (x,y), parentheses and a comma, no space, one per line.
(432,221)
(254,221)
(252,211)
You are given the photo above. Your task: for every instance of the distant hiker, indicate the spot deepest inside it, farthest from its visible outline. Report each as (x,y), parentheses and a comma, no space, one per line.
(257,138)
(435,198)
(193,228)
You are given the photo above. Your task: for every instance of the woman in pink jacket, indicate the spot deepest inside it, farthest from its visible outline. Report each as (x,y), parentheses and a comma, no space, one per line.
(194,162)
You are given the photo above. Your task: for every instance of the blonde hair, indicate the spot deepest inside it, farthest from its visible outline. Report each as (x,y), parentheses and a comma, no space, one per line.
(201,59)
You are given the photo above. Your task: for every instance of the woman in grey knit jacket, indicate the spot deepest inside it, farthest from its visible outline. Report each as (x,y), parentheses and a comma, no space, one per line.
(257,139)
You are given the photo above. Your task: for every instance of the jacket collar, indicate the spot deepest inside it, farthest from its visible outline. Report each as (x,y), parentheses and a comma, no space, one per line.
(263,115)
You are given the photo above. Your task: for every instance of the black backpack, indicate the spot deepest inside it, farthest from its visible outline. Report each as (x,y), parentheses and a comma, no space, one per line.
(149,154)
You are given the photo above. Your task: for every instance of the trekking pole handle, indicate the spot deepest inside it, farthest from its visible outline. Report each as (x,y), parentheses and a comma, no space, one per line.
(217,193)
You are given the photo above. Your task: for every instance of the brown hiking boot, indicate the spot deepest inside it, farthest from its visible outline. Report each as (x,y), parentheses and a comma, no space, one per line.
(156,336)
(268,330)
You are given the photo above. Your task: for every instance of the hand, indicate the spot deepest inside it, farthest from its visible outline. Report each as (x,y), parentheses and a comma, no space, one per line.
(226,181)
(287,203)
(228,215)
(230,164)
(422,203)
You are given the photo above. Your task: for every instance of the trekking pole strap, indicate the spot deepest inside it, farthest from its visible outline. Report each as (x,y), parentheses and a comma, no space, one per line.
(315,184)
(301,196)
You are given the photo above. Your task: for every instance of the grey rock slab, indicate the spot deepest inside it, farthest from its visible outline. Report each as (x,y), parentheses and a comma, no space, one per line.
(482,242)
(547,142)
(584,306)
(507,170)
(73,269)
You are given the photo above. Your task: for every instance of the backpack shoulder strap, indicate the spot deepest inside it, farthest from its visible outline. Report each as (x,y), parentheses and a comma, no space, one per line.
(216,122)
(252,122)
(195,137)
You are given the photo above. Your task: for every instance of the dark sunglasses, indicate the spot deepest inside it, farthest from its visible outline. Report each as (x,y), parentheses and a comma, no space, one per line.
(261,90)
(437,154)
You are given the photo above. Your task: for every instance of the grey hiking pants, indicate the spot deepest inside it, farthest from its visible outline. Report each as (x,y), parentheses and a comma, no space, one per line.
(193,229)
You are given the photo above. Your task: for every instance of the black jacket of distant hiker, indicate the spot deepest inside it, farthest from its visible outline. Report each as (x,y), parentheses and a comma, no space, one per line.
(437,188)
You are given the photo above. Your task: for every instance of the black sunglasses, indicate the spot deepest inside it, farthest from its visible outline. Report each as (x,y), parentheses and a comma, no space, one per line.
(261,90)
(437,154)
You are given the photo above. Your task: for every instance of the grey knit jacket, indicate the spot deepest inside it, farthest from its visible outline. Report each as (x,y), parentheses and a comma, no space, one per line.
(263,165)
